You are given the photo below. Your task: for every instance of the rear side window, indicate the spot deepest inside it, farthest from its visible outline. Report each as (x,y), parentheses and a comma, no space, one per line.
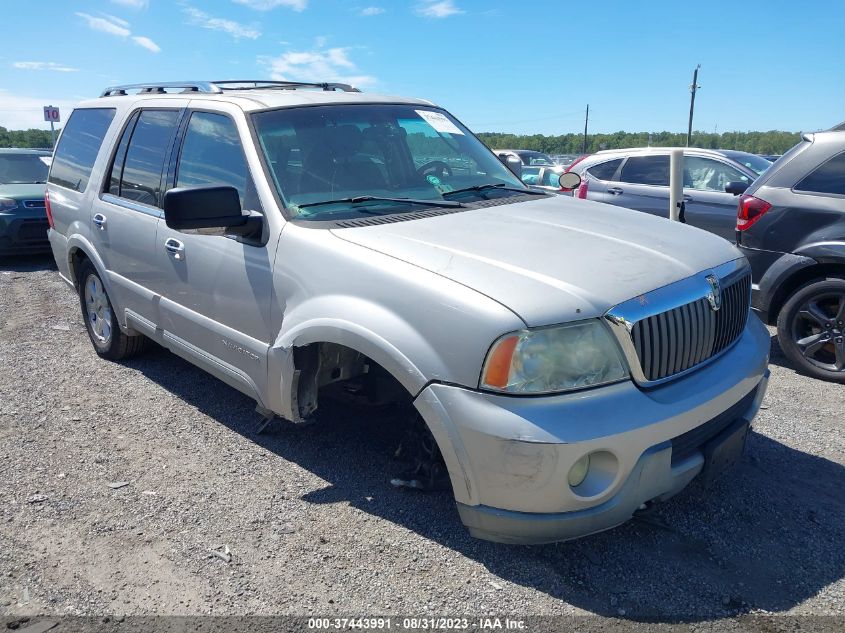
(826,178)
(646,170)
(212,155)
(120,156)
(145,156)
(605,171)
(78,148)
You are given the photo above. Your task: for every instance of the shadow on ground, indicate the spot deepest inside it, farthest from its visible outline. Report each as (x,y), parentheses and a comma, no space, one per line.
(27,263)
(768,536)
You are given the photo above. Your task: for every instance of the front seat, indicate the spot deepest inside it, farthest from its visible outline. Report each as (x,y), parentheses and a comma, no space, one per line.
(337,164)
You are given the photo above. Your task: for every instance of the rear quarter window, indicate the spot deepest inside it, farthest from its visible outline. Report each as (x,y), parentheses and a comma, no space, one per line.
(829,177)
(78,147)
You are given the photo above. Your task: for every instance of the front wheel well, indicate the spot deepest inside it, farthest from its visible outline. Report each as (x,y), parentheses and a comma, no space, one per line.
(796,281)
(319,365)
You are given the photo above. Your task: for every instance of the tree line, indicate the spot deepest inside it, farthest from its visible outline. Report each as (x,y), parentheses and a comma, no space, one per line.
(26,138)
(772,142)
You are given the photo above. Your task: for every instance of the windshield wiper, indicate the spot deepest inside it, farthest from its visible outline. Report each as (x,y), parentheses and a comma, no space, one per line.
(501,186)
(360,199)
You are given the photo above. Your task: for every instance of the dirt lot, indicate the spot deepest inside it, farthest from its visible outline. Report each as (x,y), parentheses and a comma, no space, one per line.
(312,524)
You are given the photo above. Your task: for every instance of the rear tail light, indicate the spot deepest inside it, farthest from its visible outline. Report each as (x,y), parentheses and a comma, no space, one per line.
(48,209)
(750,210)
(581,192)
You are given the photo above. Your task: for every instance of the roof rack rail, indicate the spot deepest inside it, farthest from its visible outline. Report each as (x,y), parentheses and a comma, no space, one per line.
(262,84)
(217,87)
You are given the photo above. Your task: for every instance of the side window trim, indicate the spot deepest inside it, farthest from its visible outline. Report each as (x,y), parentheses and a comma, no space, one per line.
(134,205)
(131,121)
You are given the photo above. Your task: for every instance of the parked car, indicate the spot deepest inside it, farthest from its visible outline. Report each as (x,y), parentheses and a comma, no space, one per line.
(791,226)
(527,157)
(23,221)
(572,361)
(639,179)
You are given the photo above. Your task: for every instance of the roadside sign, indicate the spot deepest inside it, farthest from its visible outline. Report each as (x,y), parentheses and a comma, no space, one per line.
(51,114)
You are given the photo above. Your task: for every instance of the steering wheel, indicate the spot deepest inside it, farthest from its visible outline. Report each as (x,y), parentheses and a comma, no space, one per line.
(435,168)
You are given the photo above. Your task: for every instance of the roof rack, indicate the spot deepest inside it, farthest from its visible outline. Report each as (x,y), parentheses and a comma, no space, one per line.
(217,87)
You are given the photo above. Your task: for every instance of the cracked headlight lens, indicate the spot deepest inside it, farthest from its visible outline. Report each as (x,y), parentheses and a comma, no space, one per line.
(554,359)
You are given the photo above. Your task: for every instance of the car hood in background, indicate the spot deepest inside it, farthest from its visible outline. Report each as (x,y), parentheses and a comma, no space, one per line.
(23,192)
(550,260)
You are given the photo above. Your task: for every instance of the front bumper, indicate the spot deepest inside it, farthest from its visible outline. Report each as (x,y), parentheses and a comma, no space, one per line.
(509,457)
(23,232)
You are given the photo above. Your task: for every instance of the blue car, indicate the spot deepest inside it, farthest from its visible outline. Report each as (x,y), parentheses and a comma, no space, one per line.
(23,215)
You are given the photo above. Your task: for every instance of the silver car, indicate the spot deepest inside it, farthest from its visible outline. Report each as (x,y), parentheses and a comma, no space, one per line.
(574,362)
(639,179)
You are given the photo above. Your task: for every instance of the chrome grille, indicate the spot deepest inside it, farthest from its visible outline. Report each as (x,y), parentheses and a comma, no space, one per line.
(678,339)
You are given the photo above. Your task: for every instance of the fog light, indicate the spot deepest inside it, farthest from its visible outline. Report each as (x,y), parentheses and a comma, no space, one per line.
(579,470)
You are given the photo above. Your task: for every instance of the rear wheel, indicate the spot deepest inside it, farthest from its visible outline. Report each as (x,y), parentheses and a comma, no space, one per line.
(97,312)
(811,329)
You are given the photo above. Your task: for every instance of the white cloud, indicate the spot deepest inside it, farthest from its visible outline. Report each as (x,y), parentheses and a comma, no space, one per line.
(59,68)
(441,9)
(133,4)
(368,11)
(235,29)
(19,112)
(332,64)
(105,25)
(266,5)
(116,26)
(147,43)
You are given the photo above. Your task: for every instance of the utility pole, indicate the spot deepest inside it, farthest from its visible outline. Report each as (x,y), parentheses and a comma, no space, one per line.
(586,121)
(692,89)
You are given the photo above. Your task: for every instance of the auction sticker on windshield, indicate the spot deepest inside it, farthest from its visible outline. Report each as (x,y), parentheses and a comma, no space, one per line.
(439,122)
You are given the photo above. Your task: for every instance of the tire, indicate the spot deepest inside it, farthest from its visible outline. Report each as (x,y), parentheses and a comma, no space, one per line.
(811,329)
(100,321)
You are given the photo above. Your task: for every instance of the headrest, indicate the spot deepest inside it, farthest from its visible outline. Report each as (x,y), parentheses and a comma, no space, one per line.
(344,140)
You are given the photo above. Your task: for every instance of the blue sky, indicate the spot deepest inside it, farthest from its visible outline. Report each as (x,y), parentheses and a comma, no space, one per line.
(498,65)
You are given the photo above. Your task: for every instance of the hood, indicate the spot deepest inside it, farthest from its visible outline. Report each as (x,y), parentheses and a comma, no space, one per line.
(23,192)
(550,260)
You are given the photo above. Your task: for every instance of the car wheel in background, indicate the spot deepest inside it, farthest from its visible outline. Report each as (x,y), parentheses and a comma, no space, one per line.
(811,329)
(100,321)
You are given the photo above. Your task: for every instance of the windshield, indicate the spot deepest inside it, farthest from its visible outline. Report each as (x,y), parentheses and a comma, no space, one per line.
(755,163)
(344,152)
(22,168)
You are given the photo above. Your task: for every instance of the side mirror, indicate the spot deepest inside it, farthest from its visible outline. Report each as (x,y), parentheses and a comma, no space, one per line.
(569,180)
(512,163)
(736,187)
(208,208)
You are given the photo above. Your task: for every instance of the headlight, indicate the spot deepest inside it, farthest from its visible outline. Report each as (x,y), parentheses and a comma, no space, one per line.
(553,359)
(7,204)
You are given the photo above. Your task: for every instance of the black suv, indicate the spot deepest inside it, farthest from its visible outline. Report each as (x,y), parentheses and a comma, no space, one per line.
(791,226)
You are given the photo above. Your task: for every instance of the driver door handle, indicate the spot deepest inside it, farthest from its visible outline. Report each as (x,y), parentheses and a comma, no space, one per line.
(614,191)
(175,246)
(688,198)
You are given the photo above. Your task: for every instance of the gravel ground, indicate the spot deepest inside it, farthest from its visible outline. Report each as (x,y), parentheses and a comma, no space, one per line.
(312,525)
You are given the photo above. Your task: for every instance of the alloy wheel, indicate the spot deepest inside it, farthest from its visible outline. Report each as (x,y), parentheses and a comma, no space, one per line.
(818,330)
(98,310)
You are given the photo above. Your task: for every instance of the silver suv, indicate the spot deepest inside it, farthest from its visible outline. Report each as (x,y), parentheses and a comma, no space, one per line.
(574,362)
